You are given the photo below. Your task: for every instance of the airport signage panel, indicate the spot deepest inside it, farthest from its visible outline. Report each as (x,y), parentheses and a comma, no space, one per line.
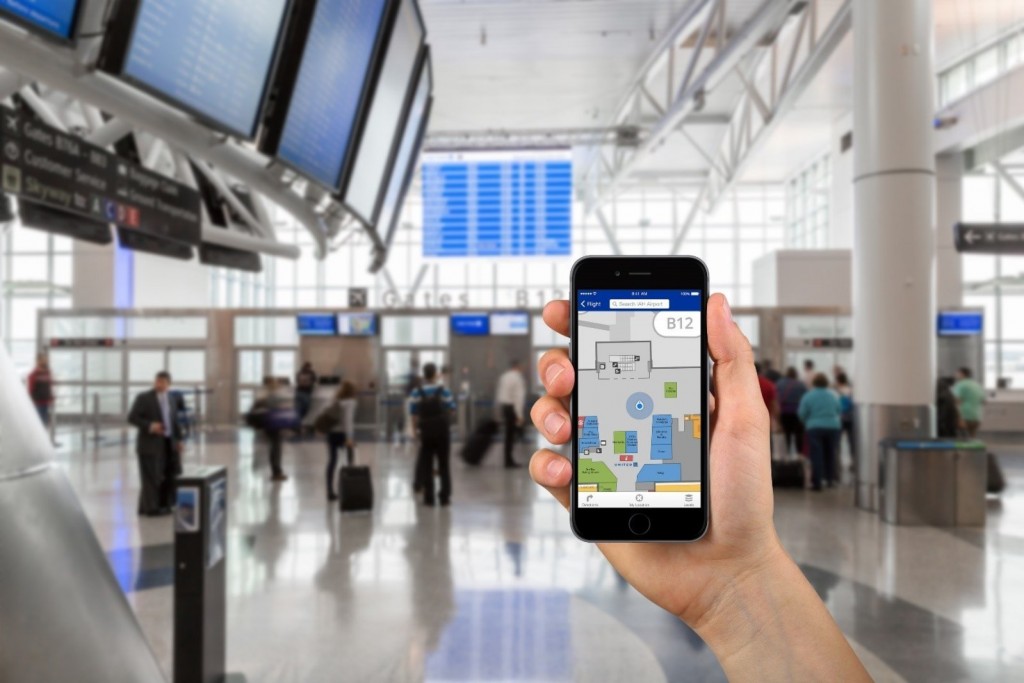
(357,324)
(226,257)
(961,323)
(471,324)
(989,238)
(510,324)
(497,204)
(134,240)
(66,224)
(317,325)
(52,18)
(61,171)
(81,343)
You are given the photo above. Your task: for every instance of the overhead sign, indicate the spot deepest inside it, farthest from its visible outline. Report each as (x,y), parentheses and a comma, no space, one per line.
(84,343)
(133,240)
(471,324)
(961,323)
(839,343)
(358,297)
(62,171)
(63,223)
(989,238)
(226,257)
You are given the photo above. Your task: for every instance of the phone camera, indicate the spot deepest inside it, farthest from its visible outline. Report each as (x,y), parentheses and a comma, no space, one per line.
(617,273)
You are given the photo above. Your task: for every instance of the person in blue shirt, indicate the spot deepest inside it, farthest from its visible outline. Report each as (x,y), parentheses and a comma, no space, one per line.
(431,406)
(821,412)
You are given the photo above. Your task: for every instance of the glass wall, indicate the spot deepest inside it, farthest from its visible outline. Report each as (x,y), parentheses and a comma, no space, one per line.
(35,273)
(807,206)
(982,65)
(996,283)
(746,224)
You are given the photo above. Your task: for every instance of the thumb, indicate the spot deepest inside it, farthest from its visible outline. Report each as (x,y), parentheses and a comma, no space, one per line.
(737,391)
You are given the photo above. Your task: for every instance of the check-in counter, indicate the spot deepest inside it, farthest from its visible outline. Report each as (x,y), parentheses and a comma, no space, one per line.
(1004,412)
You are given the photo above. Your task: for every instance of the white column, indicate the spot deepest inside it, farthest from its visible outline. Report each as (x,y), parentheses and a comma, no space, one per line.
(949,178)
(95,271)
(894,240)
(840,223)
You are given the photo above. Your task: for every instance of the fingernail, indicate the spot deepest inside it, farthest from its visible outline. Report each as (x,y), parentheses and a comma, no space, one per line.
(553,423)
(728,308)
(556,468)
(553,372)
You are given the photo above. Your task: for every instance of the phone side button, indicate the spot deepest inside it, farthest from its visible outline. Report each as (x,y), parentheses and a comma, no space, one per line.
(639,524)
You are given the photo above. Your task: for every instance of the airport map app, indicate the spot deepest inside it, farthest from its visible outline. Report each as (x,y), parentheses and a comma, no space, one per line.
(639,425)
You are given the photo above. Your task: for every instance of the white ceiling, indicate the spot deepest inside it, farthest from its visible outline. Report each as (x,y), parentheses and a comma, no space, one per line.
(538,64)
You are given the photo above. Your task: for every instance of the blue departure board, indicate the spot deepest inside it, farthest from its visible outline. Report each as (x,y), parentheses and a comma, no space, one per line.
(211,57)
(497,204)
(56,17)
(335,65)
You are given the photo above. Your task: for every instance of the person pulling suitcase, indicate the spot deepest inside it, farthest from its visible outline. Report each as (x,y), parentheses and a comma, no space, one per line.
(431,407)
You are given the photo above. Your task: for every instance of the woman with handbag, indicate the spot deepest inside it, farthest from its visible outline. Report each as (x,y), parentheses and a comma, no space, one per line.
(338,422)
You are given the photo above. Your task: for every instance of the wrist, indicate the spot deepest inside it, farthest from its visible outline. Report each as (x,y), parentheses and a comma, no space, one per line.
(736,602)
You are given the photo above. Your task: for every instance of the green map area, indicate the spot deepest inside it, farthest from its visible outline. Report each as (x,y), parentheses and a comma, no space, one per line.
(593,472)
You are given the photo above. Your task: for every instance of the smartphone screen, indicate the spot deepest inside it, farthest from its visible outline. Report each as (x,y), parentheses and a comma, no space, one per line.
(640,387)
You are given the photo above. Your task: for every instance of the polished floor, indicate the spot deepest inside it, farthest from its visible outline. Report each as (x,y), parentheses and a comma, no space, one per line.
(496,588)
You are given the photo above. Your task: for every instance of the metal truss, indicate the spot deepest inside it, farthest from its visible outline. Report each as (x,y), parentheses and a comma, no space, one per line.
(771,86)
(668,95)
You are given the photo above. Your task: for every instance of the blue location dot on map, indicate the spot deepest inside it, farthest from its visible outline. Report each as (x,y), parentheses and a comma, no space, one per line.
(640,406)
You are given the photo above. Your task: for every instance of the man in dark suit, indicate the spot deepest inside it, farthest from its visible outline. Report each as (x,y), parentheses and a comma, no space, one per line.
(158,446)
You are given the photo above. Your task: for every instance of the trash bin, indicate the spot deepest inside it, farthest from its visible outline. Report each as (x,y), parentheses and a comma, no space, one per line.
(933,482)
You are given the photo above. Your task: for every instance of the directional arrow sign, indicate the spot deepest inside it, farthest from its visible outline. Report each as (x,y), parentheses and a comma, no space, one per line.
(989,238)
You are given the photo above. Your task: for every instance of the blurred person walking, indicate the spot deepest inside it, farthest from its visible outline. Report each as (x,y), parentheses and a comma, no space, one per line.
(278,416)
(790,390)
(40,388)
(970,397)
(770,395)
(770,372)
(157,445)
(305,384)
(339,422)
(431,407)
(511,399)
(844,389)
(947,414)
(820,412)
(809,373)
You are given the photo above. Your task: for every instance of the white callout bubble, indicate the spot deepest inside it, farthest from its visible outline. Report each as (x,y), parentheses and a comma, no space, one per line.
(677,324)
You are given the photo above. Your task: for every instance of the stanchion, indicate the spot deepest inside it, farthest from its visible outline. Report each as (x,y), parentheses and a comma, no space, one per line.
(96,436)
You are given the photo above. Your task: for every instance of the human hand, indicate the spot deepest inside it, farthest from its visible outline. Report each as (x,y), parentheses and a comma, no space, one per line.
(687,579)
(156,428)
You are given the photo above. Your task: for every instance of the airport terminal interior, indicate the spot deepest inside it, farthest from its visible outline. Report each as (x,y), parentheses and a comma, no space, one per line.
(259,261)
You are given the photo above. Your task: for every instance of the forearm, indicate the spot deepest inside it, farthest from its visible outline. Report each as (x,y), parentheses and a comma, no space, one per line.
(770,625)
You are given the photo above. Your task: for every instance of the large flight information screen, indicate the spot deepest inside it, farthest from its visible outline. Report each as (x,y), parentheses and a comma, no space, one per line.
(53,16)
(397,78)
(639,406)
(213,57)
(407,153)
(497,204)
(335,65)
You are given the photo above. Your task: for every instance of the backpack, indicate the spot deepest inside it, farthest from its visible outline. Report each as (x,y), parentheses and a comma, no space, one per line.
(433,413)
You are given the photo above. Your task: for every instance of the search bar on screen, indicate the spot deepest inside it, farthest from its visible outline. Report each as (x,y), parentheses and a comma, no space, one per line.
(650,304)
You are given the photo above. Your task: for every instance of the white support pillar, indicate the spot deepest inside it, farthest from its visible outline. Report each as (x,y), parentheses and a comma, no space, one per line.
(894,240)
(950,181)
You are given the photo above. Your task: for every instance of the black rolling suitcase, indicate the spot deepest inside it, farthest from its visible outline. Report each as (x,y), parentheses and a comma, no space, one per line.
(355,488)
(479,442)
(787,473)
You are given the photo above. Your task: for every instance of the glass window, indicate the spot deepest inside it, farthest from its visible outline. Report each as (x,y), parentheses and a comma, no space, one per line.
(27,240)
(399,330)
(167,328)
(187,367)
(104,365)
(986,66)
(29,268)
(144,365)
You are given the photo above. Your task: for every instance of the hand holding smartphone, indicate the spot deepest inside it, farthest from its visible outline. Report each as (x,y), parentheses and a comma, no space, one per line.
(736,586)
(640,405)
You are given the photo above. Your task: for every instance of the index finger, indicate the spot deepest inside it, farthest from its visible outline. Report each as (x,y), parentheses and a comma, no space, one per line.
(556,316)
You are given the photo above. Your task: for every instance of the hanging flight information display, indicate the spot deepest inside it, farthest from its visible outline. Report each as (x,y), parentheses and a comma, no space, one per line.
(55,18)
(497,204)
(330,87)
(212,58)
(366,186)
(408,152)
